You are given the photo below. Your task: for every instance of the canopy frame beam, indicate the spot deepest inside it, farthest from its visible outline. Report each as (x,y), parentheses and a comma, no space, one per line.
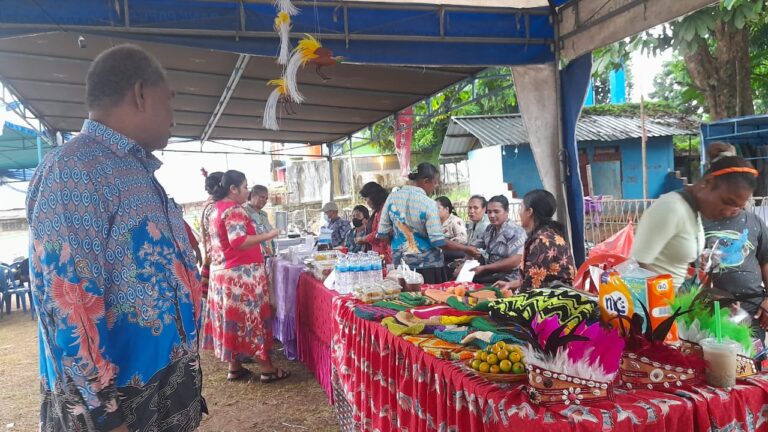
(229,89)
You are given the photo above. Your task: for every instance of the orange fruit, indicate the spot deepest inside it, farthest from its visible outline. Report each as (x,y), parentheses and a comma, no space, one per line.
(483,356)
(501,345)
(502,354)
(484,367)
(518,368)
(476,364)
(505,366)
(515,357)
(492,359)
(477,354)
(495,369)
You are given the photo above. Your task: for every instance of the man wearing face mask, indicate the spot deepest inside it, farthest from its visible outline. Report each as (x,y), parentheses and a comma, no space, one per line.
(338,226)
(359,230)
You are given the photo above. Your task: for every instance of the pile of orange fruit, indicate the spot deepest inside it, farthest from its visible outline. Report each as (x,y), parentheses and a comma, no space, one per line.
(499,358)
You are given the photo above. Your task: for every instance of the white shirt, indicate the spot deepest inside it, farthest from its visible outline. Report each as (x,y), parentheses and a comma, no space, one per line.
(669,237)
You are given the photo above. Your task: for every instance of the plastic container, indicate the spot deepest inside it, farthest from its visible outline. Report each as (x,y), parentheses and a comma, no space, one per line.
(721,361)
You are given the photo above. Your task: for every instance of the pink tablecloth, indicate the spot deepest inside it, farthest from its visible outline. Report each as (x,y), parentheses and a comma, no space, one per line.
(314,329)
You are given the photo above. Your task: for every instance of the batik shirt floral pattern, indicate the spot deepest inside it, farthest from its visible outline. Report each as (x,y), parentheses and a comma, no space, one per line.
(547,259)
(116,288)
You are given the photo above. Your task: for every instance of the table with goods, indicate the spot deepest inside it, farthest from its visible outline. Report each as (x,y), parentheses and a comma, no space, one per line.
(627,350)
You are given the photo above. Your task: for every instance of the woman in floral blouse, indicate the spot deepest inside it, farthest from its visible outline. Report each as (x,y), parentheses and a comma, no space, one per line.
(453,227)
(546,257)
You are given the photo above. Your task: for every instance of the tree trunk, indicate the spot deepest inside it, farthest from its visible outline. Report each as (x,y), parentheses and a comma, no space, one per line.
(724,76)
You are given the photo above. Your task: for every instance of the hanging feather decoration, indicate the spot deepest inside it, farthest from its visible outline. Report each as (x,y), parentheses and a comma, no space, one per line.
(308,51)
(283,29)
(279,96)
(286,6)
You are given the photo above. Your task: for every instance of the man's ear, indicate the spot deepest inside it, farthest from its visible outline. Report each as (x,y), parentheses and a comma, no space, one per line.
(138,96)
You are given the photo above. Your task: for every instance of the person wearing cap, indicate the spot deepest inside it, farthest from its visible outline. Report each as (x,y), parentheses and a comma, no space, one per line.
(338,226)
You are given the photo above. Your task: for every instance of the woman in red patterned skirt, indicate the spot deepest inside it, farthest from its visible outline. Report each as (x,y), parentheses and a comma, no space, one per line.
(239,313)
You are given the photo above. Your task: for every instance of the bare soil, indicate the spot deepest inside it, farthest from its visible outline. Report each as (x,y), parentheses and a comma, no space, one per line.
(296,404)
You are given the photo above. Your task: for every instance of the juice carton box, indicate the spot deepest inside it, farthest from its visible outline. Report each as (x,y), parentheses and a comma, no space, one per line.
(661,293)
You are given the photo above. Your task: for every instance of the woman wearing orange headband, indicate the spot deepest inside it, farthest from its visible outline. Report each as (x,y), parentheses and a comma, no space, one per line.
(670,236)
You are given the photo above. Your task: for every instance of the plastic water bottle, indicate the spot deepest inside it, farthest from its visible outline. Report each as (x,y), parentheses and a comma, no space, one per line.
(342,272)
(354,271)
(377,270)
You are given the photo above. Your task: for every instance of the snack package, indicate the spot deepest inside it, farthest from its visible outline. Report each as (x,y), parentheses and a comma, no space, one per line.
(661,294)
(615,300)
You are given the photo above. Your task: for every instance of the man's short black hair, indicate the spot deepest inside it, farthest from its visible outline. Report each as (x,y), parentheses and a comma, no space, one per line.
(115,71)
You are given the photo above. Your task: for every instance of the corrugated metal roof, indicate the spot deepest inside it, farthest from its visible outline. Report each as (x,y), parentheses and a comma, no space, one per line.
(470,132)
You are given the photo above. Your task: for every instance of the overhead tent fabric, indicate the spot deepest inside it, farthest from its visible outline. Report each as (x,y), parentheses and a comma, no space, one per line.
(18,148)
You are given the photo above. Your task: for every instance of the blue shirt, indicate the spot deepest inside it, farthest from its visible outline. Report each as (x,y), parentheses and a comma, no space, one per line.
(115,284)
(339,228)
(413,217)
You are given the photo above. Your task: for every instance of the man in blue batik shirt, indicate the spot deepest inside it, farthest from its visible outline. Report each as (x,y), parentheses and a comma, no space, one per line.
(339,227)
(112,272)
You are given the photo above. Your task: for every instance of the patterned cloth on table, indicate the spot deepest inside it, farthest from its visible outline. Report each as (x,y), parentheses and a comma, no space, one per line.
(413,218)
(501,243)
(426,312)
(339,228)
(372,312)
(239,313)
(547,259)
(116,289)
(260,220)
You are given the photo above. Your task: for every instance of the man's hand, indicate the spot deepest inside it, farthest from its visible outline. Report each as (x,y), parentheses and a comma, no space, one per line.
(479,270)
(472,252)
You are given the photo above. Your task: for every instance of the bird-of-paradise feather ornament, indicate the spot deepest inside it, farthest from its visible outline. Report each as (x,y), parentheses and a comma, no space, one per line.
(279,96)
(286,6)
(283,29)
(308,51)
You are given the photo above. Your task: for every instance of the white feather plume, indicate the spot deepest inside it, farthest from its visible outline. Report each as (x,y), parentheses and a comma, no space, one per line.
(286,6)
(269,119)
(285,43)
(560,363)
(290,77)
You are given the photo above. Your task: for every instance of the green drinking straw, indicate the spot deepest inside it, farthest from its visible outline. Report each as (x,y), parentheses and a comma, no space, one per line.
(718,325)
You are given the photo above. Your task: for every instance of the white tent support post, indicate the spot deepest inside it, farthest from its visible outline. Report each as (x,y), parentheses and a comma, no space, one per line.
(537,96)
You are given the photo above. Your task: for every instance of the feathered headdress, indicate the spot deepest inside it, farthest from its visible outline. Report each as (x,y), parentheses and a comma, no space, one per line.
(649,362)
(573,367)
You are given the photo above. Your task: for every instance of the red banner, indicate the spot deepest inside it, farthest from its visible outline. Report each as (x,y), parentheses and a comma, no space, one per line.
(403,139)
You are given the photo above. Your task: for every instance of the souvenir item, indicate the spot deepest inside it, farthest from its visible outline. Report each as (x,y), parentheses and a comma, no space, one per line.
(568,305)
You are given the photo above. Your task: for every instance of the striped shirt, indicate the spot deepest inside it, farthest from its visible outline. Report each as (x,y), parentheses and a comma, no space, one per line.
(418,233)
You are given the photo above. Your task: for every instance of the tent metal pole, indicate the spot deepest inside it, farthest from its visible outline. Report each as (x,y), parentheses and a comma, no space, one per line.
(39,150)
(562,203)
(229,89)
(330,168)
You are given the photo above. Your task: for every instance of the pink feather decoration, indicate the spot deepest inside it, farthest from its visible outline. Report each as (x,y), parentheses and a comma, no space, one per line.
(544,329)
(603,349)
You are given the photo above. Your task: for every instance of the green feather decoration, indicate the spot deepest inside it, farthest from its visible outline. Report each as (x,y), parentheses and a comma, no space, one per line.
(702,317)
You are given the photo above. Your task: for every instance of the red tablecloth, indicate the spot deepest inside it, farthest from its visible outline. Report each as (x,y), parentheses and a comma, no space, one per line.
(392,385)
(314,331)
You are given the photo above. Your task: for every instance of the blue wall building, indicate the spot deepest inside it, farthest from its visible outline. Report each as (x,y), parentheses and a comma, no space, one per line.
(610,155)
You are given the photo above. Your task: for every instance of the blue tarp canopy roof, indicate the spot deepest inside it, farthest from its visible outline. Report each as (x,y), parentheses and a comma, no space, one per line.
(396,52)
(18,148)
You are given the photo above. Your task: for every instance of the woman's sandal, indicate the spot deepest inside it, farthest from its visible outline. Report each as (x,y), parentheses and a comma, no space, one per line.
(242,374)
(277,375)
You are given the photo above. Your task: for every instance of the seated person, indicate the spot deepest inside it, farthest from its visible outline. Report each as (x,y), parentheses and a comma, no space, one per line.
(453,227)
(478,219)
(338,226)
(503,242)
(548,258)
(359,230)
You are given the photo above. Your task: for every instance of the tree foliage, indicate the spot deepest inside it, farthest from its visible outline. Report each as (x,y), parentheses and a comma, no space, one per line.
(713,45)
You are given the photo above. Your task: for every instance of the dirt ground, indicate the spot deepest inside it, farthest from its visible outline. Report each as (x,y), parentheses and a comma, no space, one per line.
(297,404)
